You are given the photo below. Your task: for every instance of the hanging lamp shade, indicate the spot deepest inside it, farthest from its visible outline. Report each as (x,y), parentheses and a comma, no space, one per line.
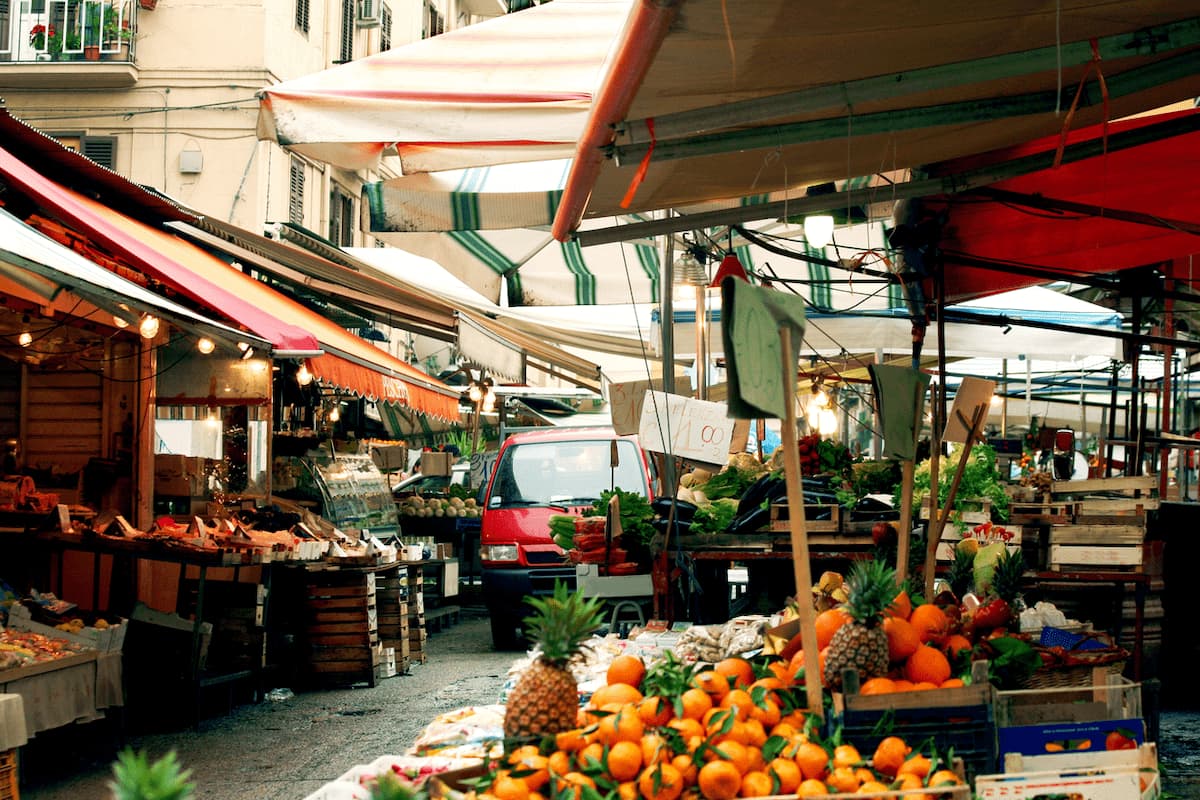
(730,265)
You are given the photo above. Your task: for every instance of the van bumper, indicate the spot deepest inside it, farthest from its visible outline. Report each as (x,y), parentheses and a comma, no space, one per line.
(505,588)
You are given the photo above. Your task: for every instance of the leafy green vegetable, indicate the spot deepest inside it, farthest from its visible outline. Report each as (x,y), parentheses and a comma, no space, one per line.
(1013,662)
(714,517)
(980,479)
(729,482)
(636,514)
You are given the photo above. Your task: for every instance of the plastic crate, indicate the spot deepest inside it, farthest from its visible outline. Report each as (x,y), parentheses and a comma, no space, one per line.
(969,730)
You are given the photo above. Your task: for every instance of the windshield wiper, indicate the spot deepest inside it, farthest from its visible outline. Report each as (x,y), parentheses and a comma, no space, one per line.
(522,503)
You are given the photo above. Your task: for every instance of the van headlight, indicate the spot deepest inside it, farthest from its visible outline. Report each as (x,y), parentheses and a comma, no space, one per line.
(500,552)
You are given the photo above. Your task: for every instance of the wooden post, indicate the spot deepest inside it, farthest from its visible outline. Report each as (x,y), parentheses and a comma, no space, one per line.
(935,460)
(938,523)
(904,535)
(797,528)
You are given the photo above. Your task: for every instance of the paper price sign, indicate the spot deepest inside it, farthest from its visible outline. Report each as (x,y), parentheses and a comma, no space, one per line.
(625,404)
(693,429)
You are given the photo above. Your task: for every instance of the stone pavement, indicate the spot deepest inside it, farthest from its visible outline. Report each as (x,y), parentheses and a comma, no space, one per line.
(287,750)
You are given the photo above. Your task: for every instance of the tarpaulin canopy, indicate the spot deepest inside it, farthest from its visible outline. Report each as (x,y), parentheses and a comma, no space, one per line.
(513,88)
(704,101)
(1121,209)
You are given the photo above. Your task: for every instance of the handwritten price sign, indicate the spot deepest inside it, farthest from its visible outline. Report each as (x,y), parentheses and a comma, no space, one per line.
(625,404)
(693,429)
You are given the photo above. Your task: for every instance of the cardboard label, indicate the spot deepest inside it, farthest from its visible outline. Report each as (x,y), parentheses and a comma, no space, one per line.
(972,393)
(694,429)
(625,404)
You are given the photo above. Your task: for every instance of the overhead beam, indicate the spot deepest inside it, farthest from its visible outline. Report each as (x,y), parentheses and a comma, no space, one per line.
(967,180)
(1152,41)
(981,109)
(1054,204)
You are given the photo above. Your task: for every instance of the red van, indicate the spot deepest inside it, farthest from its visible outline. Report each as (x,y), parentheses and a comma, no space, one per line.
(537,474)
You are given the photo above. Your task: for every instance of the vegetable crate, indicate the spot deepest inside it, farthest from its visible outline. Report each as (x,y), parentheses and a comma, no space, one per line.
(818,519)
(1106,775)
(8,775)
(391,598)
(975,511)
(986,533)
(1108,523)
(342,629)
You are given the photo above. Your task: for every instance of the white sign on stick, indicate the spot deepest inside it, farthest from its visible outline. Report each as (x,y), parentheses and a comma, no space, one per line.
(681,426)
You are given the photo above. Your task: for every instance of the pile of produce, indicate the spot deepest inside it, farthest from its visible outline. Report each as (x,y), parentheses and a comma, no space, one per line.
(588,542)
(19,648)
(822,456)
(980,479)
(671,730)
(417,506)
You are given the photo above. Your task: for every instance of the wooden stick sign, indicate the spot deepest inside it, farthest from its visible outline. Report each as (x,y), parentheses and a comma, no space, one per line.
(761,330)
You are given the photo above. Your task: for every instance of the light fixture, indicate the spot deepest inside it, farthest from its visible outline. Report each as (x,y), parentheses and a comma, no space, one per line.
(205,345)
(25,339)
(212,420)
(248,353)
(818,230)
(303,376)
(148,327)
(120,322)
(475,393)
(730,266)
(827,422)
(489,401)
(689,271)
(243,346)
(335,414)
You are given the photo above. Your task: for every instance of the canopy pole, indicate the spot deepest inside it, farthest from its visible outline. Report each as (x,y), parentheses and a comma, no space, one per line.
(797,526)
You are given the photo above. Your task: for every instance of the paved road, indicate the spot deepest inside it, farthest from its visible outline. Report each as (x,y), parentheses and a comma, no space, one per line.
(288,750)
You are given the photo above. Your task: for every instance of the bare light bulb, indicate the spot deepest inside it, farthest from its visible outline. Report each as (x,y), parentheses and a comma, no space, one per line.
(148,327)
(827,422)
(212,420)
(120,322)
(303,376)
(205,345)
(489,402)
(475,393)
(335,414)
(818,230)
(25,339)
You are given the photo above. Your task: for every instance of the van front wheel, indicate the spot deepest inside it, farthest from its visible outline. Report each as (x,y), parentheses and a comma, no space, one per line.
(506,632)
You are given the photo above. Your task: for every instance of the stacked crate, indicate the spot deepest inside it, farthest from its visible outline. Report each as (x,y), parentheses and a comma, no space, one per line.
(237,612)
(391,597)
(416,614)
(1107,525)
(342,626)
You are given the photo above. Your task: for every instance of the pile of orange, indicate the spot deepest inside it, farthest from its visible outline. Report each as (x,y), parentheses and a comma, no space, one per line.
(920,647)
(732,731)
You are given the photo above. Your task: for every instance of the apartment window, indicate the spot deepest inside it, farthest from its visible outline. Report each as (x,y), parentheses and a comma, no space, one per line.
(385,27)
(434,22)
(347,39)
(341,217)
(296,192)
(302,16)
(101,149)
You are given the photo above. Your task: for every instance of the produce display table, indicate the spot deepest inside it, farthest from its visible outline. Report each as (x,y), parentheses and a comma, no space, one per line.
(77,688)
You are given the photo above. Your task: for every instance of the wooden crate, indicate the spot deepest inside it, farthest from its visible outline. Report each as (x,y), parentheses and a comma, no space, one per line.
(818,518)
(8,775)
(978,511)
(951,537)
(1045,512)
(342,627)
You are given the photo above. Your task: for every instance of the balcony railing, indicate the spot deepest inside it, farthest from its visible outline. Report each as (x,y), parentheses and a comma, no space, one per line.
(67,30)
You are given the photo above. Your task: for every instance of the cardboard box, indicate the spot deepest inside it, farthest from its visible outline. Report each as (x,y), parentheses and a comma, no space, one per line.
(1106,775)
(1066,739)
(436,463)
(109,639)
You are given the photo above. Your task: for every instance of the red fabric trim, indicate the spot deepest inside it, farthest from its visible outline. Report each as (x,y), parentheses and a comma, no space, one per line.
(378,386)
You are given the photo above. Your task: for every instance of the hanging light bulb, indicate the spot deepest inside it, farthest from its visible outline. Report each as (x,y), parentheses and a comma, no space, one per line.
(335,414)
(120,322)
(303,376)
(148,327)
(475,393)
(248,353)
(818,230)
(489,402)
(212,420)
(243,346)
(205,345)
(25,339)
(827,422)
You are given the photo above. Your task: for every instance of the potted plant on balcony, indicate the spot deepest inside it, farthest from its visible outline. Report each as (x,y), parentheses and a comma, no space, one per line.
(92,31)
(117,34)
(38,39)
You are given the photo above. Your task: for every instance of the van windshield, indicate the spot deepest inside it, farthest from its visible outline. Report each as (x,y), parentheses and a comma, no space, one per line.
(565,473)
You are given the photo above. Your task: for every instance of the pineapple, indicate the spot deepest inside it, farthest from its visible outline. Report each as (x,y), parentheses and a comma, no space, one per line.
(135,778)
(1006,580)
(962,572)
(861,644)
(545,699)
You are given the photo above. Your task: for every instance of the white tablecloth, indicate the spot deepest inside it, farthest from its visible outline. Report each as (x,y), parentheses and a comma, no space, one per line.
(12,722)
(75,693)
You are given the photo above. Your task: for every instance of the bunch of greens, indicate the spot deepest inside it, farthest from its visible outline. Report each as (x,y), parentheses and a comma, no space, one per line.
(1012,663)
(136,778)
(636,514)
(980,479)
(729,482)
(714,517)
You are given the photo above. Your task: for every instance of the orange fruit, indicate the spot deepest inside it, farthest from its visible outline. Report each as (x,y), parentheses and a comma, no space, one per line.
(902,638)
(655,711)
(558,763)
(916,764)
(954,644)
(846,755)
(624,761)
(574,782)
(785,730)
(780,670)
(787,773)
(756,783)
(907,780)
(626,669)
(735,753)
(871,786)
(944,777)
(739,669)
(687,768)
(507,788)
(623,726)
(877,686)
(755,760)
(924,686)
(797,665)
(843,780)
(695,702)
(719,780)
(570,741)
(952,683)
(619,693)
(590,756)
(534,770)
(628,791)
(901,607)
(928,665)
(755,732)
(930,622)
(828,622)
(740,702)
(660,782)
(811,788)
(767,713)
(654,749)
(687,727)
(889,755)
(864,775)
(813,760)
(903,685)
(712,682)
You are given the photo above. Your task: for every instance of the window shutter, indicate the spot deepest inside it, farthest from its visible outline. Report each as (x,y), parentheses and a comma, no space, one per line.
(347,49)
(302,16)
(335,216)
(296,193)
(101,149)
(385,28)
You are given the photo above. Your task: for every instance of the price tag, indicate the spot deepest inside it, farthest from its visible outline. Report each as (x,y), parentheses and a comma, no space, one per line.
(625,404)
(693,429)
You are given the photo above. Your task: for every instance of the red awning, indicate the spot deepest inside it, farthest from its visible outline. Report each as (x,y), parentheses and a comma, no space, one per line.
(1054,229)
(348,362)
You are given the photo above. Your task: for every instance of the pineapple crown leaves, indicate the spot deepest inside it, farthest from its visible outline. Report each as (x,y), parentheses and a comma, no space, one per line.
(135,778)
(1006,579)
(562,622)
(870,588)
(389,786)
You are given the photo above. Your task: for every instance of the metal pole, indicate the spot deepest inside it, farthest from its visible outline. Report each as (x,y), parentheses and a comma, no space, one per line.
(667,312)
